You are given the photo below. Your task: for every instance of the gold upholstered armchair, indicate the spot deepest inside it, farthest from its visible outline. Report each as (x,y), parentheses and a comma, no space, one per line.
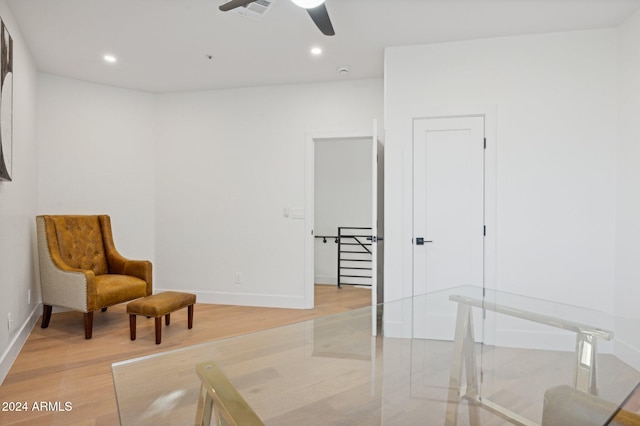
(80,268)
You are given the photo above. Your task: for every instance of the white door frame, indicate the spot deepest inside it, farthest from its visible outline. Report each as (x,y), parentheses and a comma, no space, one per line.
(399,233)
(309,205)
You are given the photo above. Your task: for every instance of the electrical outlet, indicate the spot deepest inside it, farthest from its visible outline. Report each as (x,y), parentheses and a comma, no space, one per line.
(297,213)
(238,278)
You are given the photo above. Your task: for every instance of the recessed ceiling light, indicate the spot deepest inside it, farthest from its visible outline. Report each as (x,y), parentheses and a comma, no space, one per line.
(316,51)
(109,58)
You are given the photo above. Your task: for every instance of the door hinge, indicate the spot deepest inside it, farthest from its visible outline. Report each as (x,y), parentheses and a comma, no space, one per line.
(485,143)
(484,230)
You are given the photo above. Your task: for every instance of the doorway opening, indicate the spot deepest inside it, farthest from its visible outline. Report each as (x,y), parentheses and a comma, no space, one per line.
(342,211)
(342,187)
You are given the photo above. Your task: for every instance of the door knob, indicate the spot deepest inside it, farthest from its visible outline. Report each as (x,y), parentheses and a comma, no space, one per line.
(420,241)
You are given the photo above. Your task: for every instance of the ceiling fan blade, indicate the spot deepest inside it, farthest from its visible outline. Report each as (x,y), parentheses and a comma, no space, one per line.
(321,18)
(234,3)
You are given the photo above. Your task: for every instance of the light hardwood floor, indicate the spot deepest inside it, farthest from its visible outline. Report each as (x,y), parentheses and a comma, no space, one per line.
(57,365)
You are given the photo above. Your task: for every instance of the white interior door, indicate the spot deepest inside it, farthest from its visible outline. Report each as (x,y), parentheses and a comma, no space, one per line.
(374,215)
(377,226)
(448,203)
(377,217)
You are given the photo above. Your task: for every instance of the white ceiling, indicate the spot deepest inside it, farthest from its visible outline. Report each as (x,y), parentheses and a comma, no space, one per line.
(162,45)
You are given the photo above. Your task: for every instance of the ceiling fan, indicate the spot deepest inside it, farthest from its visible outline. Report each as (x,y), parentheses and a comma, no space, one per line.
(316,9)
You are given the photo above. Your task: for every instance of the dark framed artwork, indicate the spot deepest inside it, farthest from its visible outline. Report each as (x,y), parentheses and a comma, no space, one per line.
(6,104)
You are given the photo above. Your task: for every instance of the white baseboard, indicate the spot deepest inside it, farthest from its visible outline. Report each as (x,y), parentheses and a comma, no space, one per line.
(529,339)
(325,279)
(245,299)
(435,326)
(15,346)
(396,329)
(627,353)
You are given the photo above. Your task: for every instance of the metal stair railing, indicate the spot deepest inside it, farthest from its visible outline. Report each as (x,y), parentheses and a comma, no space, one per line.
(354,256)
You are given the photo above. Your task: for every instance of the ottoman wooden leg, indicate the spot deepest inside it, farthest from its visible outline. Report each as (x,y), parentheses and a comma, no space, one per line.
(158,330)
(190,316)
(167,319)
(132,326)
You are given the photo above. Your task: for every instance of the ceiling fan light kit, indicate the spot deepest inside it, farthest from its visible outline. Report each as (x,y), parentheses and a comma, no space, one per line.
(316,9)
(308,4)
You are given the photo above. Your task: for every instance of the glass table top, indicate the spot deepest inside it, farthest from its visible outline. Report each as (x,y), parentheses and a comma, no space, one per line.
(390,364)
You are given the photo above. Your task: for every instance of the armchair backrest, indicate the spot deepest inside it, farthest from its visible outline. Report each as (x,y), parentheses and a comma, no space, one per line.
(79,241)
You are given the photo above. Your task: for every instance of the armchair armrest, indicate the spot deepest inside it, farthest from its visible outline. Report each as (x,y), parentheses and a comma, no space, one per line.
(137,268)
(119,264)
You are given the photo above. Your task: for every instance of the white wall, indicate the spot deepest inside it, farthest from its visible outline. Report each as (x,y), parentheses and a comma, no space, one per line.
(342,196)
(555,98)
(195,182)
(628,200)
(97,156)
(18,207)
(229,162)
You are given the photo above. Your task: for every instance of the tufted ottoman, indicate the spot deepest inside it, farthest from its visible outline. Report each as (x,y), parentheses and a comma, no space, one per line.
(159,305)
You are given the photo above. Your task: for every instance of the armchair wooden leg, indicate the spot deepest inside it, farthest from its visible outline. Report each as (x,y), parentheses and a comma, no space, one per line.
(46,315)
(88,324)
(104,309)
(190,316)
